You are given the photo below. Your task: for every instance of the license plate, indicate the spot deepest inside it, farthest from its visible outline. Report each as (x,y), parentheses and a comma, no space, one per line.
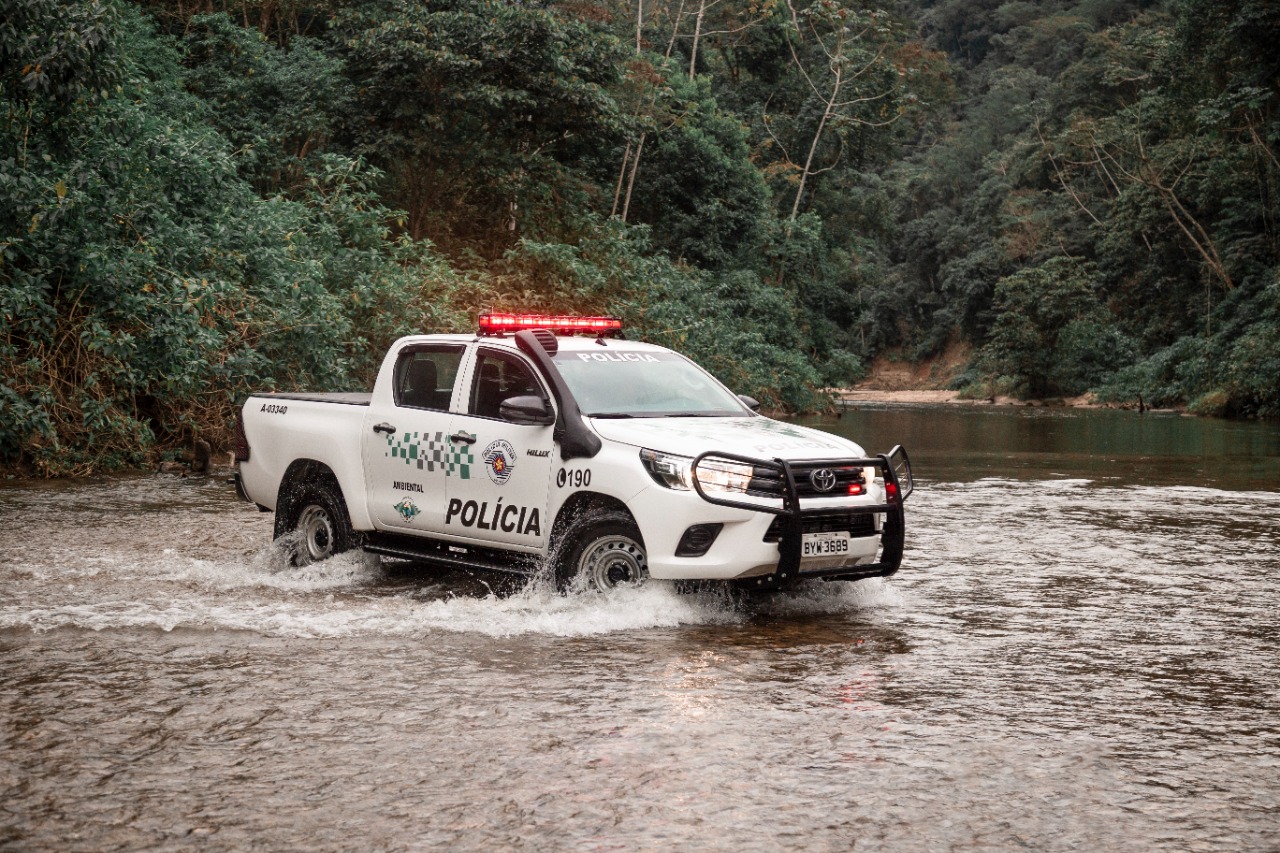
(824,544)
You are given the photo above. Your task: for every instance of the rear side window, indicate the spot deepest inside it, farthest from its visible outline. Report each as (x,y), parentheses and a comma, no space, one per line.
(425,376)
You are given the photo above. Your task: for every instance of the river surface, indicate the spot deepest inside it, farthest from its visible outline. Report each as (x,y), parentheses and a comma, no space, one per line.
(1080,653)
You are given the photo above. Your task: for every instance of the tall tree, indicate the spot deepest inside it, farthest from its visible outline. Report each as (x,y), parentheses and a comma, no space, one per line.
(838,53)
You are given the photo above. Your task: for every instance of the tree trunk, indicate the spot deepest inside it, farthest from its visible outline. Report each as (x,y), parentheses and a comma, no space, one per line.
(813,146)
(622,175)
(631,181)
(697,34)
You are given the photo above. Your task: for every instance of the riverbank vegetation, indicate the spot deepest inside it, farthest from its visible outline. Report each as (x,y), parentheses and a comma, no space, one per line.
(200,200)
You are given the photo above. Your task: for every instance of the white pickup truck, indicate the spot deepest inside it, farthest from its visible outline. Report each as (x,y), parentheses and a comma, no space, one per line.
(532,444)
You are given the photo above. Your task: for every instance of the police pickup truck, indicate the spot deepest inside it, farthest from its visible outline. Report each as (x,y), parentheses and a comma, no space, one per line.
(553,441)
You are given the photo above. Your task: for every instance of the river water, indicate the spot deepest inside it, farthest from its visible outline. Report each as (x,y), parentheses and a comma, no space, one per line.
(1080,653)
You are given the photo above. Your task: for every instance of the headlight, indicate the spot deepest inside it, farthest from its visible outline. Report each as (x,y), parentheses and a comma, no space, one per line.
(721,475)
(669,471)
(714,475)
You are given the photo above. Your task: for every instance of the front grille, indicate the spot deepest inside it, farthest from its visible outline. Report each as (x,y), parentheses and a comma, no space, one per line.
(855,523)
(768,482)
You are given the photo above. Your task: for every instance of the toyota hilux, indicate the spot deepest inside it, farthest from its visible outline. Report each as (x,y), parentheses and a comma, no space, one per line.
(556,444)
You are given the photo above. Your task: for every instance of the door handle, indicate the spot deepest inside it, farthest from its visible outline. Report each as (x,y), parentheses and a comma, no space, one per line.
(463,437)
(387,428)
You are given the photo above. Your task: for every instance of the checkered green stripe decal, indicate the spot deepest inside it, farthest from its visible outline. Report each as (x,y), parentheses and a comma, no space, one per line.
(432,453)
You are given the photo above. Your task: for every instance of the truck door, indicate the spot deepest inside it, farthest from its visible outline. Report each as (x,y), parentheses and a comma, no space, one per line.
(408,458)
(505,499)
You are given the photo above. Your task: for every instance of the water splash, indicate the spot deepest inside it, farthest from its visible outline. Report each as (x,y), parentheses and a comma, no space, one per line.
(351,594)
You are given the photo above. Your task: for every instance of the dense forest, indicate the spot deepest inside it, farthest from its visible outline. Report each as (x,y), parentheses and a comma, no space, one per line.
(203,197)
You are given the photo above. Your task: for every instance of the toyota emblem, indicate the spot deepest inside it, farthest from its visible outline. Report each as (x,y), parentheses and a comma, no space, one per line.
(823,479)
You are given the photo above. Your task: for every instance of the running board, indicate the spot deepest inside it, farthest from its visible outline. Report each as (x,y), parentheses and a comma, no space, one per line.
(451,554)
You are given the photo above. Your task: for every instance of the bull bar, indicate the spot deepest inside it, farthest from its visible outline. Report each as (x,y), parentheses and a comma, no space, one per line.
(895,469)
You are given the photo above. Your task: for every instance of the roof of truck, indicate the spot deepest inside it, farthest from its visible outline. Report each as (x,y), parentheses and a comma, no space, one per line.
(567,343)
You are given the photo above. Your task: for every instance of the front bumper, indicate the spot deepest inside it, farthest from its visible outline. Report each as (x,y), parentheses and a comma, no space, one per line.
(893,469)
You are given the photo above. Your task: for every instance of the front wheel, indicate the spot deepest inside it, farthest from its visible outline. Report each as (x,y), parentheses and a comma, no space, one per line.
(317,517)
(602,552)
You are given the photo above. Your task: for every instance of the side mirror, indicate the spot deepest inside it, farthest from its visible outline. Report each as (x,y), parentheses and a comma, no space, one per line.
(750,402)
(527,410)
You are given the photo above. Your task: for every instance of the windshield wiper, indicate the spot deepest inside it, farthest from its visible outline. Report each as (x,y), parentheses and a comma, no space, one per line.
(608,415)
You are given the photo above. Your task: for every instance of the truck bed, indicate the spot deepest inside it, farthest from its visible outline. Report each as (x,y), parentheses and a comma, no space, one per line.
(282,427)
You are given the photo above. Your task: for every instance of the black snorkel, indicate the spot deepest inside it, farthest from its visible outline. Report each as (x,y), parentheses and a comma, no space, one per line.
(576,440)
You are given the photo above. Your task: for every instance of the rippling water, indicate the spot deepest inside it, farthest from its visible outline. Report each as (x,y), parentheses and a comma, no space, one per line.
(1081,653)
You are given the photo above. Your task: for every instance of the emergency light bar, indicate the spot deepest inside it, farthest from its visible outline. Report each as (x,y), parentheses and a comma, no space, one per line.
(497,324)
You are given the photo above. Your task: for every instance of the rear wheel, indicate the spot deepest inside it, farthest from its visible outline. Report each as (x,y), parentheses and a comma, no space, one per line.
(602,551)
(317,517)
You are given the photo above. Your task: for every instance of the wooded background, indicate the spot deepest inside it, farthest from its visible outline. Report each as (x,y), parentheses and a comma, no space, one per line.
(202,199)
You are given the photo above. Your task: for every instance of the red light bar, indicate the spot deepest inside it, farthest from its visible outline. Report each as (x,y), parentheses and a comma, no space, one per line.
(497,324)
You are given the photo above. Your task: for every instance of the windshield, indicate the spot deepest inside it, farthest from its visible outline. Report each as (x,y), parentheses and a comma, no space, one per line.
(632,384)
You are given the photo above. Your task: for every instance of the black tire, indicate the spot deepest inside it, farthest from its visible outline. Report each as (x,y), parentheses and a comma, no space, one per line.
(602,550)
(317,516)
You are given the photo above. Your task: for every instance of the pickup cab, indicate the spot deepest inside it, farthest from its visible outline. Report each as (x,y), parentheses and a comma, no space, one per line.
(553,443)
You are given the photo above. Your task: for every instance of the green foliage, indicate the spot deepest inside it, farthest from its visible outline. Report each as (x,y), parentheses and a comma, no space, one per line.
(1051,334)
(1236,371)
(481,111)
(833,106)
(1163,379)
(1141,138)
(57,52)
(146,286)
(842,369)
(696,185)
(276,107)
(259,196)
(736,326)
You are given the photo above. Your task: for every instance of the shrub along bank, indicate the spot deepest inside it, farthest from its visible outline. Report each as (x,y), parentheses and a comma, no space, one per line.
(170,244)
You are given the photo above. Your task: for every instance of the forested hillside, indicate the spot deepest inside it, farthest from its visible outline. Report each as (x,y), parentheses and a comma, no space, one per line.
(1100,211)
(199,199)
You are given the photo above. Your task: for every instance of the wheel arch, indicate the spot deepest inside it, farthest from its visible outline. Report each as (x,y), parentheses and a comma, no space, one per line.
(300,473)
(581,503)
